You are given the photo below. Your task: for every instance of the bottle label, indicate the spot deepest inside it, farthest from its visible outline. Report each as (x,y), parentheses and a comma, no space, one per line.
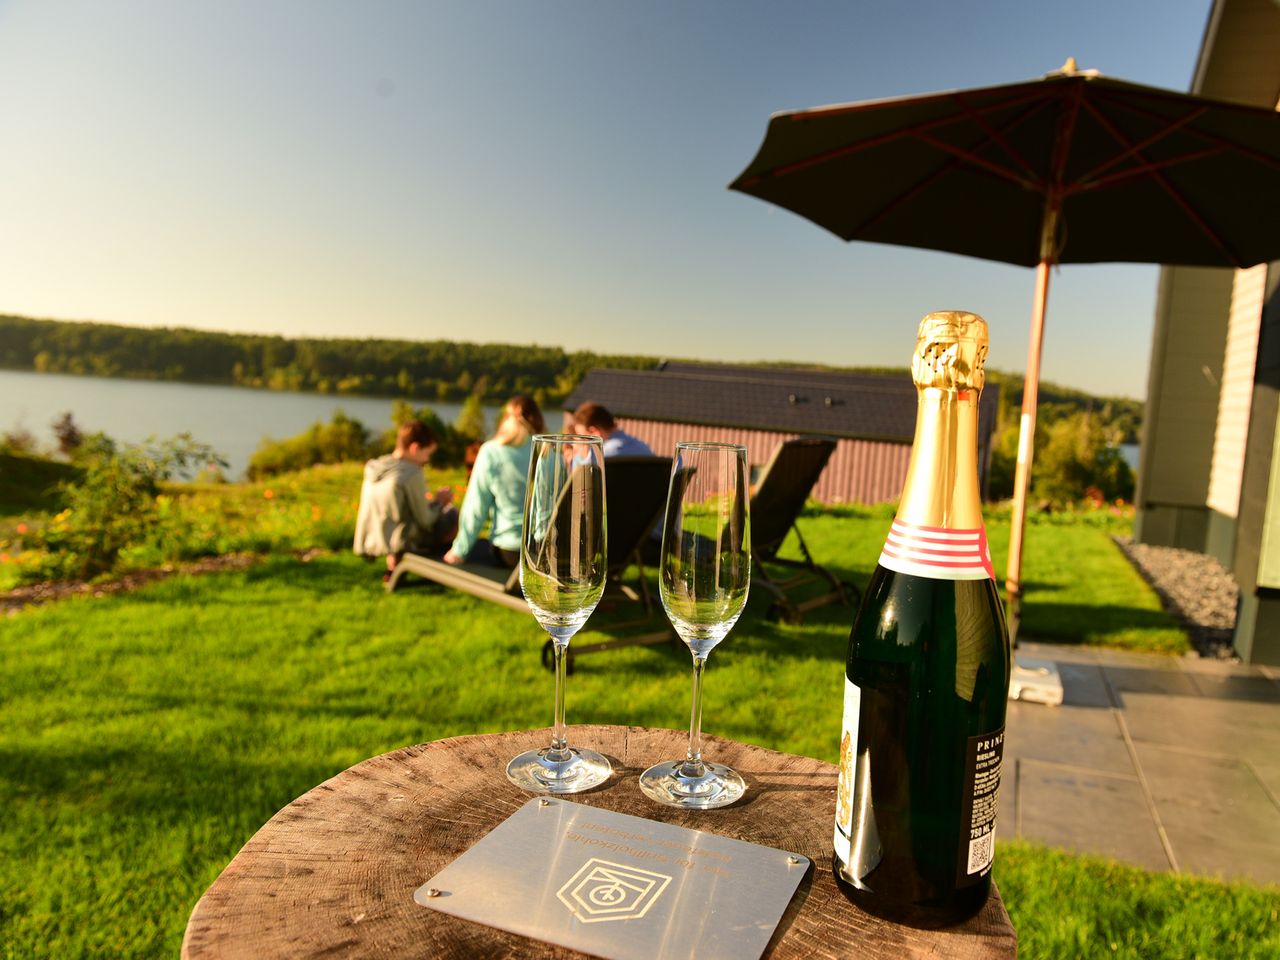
(983,759)
(939,553)
(848,756)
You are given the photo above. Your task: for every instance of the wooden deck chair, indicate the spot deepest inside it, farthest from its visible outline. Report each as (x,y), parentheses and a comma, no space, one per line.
(482,580)
(478,579)
(636,488)
(784,486)
(636,491)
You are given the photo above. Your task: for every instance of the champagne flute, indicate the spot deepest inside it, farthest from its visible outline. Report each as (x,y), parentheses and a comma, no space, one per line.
(704,572)
(562,572)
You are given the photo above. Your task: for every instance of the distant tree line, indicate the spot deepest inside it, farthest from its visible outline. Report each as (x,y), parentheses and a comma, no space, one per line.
(442,370)
(1077,435)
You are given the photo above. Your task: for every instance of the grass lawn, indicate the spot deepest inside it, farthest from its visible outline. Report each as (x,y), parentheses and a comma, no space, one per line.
(145,737)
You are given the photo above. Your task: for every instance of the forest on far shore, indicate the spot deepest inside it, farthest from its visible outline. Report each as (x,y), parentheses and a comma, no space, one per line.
(445,370)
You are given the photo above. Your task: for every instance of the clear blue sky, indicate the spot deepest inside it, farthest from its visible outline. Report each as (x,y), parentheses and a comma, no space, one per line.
(521,171)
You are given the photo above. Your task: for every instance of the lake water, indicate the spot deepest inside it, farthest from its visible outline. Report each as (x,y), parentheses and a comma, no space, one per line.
(232,420)
(1130,453)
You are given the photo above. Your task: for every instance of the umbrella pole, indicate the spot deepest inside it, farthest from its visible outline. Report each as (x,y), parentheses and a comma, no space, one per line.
(1026,442)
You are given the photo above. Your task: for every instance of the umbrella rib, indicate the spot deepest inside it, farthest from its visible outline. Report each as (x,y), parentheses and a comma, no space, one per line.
(1169,188)
(956,158)
(1149,166)
(1140,145)
(1240,148)
(795,166)
(968,156)
(997,136)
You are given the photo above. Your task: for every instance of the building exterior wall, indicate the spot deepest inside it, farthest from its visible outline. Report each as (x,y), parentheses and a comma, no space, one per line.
(1240,515)
(1256,562)
(1244,321)
(1226,469)
(860,471)
(1181,413)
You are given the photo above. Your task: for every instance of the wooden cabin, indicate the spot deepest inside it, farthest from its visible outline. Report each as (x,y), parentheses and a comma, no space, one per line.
(871,416)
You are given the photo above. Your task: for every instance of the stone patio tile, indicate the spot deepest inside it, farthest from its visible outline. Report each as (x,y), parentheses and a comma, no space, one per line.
(1220,668)
(1069,735)
(1242,728)
(1268,773)
(1088,813)
(1083,685)
(1219,819)
(1149,679)
(1236,687)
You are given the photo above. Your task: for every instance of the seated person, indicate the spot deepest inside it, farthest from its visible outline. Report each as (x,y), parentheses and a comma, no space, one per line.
(593,419)
(396,514)
(495,493)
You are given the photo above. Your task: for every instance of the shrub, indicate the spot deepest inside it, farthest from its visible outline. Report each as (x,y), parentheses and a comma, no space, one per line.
(470,423)
(1075,459)
(341,439)
(111,504)
(68,433)
(451,443)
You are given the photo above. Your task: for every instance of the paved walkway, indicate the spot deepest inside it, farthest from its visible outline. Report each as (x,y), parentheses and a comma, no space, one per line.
(1169,763)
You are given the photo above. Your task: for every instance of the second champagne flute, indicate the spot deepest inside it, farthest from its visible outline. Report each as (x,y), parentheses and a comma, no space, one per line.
(704,575)
(562,571)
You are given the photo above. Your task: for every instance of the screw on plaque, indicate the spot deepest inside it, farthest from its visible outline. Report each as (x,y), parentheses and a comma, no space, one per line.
(544,802)
(793,860)
(433,892)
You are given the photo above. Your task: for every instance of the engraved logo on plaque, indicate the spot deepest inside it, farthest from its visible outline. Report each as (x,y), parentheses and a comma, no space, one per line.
(602,890)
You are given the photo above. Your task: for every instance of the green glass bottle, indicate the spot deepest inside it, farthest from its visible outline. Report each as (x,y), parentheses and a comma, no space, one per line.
(927,675)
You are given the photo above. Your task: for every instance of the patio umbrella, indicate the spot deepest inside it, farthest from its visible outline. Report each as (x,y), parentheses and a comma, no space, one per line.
(1072,168)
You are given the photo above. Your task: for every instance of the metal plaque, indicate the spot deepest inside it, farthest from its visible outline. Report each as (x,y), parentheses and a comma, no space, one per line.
(617,886)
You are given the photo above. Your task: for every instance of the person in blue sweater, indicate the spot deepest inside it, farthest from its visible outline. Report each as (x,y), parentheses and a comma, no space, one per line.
(495,493)
(594,419)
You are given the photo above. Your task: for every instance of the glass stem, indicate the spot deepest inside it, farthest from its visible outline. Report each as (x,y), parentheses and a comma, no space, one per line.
(692,766)
(559,736)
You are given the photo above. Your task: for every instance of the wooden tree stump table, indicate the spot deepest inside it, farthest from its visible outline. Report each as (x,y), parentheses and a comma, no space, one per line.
(333,873)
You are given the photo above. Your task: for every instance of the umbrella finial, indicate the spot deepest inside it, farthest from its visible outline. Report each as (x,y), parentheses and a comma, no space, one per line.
(1069,68)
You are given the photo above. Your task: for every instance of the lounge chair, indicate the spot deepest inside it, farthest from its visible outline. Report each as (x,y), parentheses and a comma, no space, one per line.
(636,490)
(478,579)
(784,486)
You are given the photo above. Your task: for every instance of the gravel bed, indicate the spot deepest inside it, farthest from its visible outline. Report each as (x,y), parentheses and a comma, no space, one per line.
(1193,587)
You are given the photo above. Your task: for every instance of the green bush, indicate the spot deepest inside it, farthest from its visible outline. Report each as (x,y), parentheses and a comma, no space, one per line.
(344,439)
(341,439)
(1076,458)
(451,442)
(110,504)
(1077,462)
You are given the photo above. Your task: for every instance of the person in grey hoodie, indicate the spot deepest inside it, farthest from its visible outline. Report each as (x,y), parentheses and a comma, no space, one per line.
(396,514)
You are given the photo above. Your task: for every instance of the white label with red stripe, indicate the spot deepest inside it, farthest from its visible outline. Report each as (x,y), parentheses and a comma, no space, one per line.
(940,553)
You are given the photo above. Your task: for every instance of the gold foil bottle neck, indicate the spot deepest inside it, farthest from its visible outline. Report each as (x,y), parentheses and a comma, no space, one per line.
(941,488)
(951,350)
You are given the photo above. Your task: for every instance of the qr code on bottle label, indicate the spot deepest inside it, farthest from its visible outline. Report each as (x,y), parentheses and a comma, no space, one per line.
(981,852)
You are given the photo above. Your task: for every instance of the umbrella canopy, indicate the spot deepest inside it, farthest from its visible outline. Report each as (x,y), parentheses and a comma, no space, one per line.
(1071,168)
(1134,174)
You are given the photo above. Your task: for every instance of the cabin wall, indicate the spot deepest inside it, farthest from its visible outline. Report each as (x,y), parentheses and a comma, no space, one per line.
(860,471)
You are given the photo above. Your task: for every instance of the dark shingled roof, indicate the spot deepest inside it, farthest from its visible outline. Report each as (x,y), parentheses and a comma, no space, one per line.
(830,403)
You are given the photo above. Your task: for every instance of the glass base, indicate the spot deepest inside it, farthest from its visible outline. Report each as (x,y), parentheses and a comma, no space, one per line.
(718,786)
(536,772)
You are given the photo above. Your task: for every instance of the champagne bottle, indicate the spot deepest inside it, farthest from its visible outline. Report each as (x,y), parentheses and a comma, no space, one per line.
(927,674)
